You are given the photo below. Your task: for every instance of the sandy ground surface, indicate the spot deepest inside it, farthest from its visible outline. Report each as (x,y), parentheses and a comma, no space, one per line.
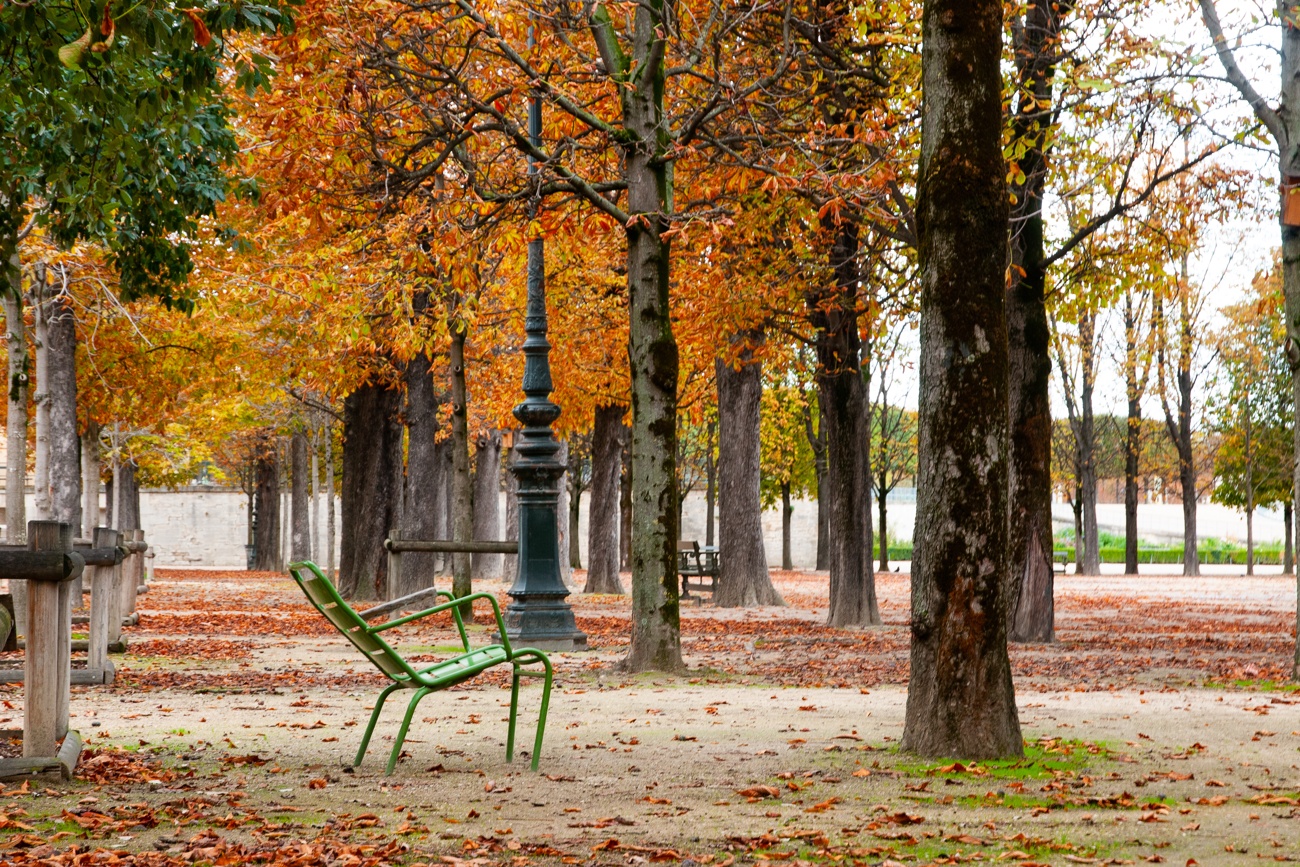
(1153,734)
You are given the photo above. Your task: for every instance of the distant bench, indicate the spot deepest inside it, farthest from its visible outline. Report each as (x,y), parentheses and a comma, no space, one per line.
(694,562)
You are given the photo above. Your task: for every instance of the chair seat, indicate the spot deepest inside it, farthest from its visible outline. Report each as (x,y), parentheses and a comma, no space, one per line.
(452,671)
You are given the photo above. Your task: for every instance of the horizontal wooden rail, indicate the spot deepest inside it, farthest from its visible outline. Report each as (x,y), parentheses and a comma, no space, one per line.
(446,546)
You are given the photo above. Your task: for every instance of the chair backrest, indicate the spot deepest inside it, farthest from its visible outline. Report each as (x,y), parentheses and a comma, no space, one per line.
(325,598)
(683,546)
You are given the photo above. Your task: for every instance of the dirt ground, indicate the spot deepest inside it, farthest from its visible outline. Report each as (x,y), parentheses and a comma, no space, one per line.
(1157,729)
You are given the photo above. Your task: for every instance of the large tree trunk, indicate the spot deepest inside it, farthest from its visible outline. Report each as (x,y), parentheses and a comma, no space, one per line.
(652,353)
(1030,603)
(625,500)
(787,513)
(90,469)
(842,400)
(603,503)
(61,392)
(487,502)
(128,499)
(817,442)
(16,420)
(960,699)
(41,500)
(1090,561)
(299,502)
(562,537)
(425,492)
(442,480)
(710,482)
(743,579)
(461,506)
(266,507)
(1133,387)
(1288,547)
(330,546)
(1183,439)
(372,480)
(574,490)
(510,562)
(882,538)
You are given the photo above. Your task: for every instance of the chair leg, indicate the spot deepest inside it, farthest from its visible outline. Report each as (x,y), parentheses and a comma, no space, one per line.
(374,718)
(541,716)
(406,724)
(514,713)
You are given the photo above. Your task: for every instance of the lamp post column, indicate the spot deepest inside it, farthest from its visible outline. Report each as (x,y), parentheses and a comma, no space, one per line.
(539,616)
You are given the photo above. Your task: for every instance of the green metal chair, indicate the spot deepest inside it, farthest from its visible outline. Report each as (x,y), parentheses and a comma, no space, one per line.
(441,675)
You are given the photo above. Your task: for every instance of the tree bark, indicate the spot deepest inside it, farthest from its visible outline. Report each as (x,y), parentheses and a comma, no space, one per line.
(1133,386)
(510,562)
(625,500)
(442,480)
(882,499)
(424,493)
(743,579)
(842,402)
(461,506)
(487,502)
(90,469)
(40,397)
(960,699)
(330,546)
(1090,562)
(123,496)
(313,495)
(787,513)
(652,353)
(16,420)
(1030,603)
(299,502)
(562,537)
(1288,551)
(710,482)
(61,394)
(575,509)
(817,442)
(266,506)
(372,481)
(603,510)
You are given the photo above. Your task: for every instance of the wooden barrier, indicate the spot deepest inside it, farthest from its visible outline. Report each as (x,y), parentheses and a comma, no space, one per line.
(397,546)
(107,558)
(48,567)
(101,559)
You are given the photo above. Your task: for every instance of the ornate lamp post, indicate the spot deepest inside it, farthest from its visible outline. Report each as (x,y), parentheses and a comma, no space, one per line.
(539,616)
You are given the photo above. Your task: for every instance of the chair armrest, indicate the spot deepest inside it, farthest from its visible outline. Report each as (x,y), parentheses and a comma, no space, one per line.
(453,603)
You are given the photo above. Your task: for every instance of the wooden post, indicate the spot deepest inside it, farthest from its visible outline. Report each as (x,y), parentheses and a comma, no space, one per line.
(49,645)
(113,591)
(137,571)
(395,586)
(101,604)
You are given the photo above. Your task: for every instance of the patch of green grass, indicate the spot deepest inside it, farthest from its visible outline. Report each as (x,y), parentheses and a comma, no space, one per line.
(1044,759)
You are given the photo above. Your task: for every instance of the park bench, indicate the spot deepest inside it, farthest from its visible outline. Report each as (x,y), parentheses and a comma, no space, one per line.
(694,562)
(465,665)
(1059,561)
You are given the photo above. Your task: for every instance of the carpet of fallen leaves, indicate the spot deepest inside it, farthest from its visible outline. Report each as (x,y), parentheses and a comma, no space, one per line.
(239,632)
(1141,633)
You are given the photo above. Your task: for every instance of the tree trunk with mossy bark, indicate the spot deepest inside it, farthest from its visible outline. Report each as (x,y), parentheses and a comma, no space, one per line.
(743,579)
(603,510)
(842,404)
(960,698)
(372,480)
